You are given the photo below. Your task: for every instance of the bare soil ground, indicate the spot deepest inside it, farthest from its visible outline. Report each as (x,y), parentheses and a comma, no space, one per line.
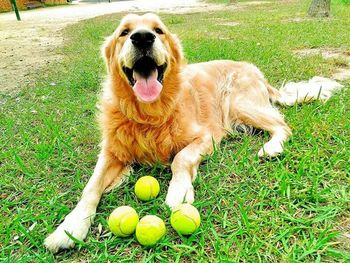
(30,45)
(229,24)
(341,56)
(25,48)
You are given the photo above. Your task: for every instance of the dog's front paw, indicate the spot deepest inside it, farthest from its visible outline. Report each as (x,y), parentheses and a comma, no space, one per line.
(178,193)
(74,224)
(271,149)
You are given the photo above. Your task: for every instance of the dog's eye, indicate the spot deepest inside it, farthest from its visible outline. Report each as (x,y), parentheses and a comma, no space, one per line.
(124,32)
(158,31)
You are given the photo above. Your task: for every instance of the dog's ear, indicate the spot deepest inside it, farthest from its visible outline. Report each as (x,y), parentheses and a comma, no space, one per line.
(108,49)
(177,49)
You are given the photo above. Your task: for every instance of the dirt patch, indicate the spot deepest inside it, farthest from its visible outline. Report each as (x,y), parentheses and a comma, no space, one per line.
(342,72)
(26,49)
(255,3)
(327,53)
(304,19)
(297,20)
(229,24)
(28,46)
(198,9)
(343,239)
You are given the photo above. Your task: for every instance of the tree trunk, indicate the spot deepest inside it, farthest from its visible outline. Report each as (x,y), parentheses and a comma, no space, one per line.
(320,8)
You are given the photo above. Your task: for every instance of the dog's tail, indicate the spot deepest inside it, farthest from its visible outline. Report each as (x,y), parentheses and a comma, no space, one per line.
(317,88)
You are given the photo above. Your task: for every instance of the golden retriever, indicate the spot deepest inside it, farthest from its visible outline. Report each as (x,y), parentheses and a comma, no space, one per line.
(156,108)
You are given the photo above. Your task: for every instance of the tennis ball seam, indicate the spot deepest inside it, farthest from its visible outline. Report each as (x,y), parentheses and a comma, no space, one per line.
(182,219)
(195,213)
(150,192)
(119,225)
(122,226)
(194,221)
(188,217)
(158,226)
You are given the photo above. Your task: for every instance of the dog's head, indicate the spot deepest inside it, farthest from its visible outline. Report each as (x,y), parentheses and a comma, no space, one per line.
(142,54)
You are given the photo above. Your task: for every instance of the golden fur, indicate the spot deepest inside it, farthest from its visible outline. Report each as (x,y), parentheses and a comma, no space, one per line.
(192,96)
(199,104)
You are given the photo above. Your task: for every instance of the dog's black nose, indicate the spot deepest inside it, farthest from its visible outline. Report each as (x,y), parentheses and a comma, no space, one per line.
(142,39)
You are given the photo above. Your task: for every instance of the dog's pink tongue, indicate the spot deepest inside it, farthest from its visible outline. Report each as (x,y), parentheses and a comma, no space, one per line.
(147,89)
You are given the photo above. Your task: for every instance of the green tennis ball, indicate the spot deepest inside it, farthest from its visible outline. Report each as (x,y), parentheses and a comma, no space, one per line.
(185,219)
(123,220)
(150,230)
(147,188)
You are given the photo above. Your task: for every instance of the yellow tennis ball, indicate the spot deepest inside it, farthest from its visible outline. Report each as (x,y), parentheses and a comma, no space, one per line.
(150,230)
(185,219)
(147,188)
(123,220)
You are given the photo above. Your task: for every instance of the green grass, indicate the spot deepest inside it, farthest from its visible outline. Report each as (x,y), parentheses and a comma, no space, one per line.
(283,210)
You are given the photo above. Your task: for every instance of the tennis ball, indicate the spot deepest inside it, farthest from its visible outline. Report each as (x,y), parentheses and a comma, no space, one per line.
(150,230)
(147,188)
(185,219)
(123,220)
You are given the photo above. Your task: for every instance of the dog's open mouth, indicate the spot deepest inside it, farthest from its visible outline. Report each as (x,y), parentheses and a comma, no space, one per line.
(146,79)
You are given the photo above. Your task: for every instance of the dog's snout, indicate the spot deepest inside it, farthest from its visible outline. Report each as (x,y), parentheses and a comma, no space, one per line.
(142,38)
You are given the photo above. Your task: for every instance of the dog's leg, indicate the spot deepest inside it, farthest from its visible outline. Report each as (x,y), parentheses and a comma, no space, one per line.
(184,168)
(267,118)
(275,145)
(108,171)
